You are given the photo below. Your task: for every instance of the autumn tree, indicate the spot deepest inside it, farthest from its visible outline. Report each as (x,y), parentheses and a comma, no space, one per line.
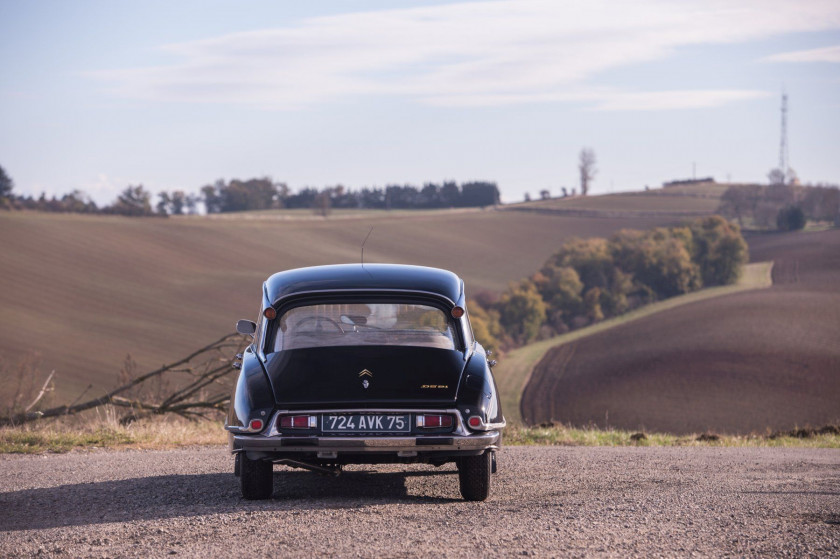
(719,250)
(522,311)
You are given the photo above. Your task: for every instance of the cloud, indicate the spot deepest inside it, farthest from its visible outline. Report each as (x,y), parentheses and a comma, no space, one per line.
(825,54)
(465,54)
(671,100)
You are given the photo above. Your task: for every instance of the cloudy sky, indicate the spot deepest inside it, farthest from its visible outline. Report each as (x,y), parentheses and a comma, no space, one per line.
(97,95)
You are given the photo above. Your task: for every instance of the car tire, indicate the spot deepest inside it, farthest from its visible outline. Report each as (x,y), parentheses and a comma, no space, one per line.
(474,476)
(256,478)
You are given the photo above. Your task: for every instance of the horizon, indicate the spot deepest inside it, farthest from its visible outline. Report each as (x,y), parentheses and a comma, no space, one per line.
(98,96)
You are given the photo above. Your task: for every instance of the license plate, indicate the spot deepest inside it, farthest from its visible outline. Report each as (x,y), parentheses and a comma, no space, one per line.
(366,423)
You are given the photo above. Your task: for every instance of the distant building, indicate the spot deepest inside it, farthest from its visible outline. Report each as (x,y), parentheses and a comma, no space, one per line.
(688,182)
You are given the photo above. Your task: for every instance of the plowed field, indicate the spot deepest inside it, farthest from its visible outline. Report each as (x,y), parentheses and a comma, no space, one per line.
(85,291)
(752,361)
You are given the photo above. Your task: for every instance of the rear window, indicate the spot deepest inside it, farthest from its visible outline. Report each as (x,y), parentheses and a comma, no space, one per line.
(349,324)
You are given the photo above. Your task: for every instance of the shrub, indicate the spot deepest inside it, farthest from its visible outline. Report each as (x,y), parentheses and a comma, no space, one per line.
(718,249)
(790,218)
(522,311)
(486,328)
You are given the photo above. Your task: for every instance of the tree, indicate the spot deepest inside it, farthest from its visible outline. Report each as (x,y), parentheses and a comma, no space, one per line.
(522,311)
(776,176)
(586,166)
(719,250)
(6,185)
(133,201)
(790,218)
(164,203)
(321,204)
(485,325)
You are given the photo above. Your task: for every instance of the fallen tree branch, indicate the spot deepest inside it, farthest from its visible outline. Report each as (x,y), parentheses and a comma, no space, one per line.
(175,403)
(41,393)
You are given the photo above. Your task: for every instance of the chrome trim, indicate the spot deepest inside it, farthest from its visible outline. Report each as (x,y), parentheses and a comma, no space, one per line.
(374,290)
(463,439)
(500,425)
(460,426)
(488,440)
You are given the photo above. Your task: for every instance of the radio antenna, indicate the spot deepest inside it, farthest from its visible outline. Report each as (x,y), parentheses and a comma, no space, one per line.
(363,245)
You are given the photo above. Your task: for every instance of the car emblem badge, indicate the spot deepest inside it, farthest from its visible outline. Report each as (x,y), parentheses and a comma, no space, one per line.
(365,373)
(365,383)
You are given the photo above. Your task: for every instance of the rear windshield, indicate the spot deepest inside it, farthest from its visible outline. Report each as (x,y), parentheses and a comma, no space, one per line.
(395,324)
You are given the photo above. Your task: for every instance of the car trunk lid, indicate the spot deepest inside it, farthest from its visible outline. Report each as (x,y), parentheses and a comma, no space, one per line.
(364,376)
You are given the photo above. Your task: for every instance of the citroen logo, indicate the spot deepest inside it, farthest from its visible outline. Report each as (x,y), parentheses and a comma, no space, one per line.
(365,373)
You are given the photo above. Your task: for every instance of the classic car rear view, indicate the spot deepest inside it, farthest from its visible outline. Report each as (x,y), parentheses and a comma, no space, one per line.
(363,364)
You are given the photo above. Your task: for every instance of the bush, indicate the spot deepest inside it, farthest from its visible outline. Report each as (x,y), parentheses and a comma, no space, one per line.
(790,218)
(718,249)
(522,312)
(486,328)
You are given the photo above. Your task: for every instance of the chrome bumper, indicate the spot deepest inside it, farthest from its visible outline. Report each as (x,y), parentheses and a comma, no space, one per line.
(404,446)
(461,439)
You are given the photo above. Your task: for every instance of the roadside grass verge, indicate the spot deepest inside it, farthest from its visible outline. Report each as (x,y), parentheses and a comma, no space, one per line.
(558,435)
(515,368)
(167,433)
(63,436)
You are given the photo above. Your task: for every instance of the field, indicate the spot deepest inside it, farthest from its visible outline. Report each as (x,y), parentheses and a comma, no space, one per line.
(682,200)
(82,292)
(752,361)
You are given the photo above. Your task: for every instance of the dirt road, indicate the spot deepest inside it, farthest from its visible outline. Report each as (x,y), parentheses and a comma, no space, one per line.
(546,501)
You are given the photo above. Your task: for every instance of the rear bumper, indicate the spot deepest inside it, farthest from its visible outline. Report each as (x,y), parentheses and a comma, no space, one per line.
(272,444)
(405,446)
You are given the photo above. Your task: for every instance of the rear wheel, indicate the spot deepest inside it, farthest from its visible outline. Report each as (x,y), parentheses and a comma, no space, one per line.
(474,476)
(256,478)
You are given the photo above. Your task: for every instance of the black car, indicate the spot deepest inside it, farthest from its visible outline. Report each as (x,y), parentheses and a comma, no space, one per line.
(363,364)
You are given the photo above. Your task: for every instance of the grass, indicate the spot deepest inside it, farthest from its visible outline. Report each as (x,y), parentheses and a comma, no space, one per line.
(567,436)
(66,435)
(163,433)
(514,369)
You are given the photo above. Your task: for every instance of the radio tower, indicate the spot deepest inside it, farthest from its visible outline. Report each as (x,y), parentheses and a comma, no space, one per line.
(783,147)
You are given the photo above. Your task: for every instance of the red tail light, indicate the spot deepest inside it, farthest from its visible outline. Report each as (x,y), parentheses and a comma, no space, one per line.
(298,421)
(475,422)
(434,421)
(256,425)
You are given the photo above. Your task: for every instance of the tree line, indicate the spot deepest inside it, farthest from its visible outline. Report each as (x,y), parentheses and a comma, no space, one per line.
(259,194)
(782,205)
(589,280)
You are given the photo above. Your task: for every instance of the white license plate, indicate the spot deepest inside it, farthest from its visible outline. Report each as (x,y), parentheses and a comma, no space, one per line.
(366,423)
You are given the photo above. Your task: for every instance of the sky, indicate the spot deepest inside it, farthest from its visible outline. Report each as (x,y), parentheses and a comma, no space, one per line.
(96,95)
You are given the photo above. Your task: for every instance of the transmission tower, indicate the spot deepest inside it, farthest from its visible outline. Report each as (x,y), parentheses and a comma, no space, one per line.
(783,147)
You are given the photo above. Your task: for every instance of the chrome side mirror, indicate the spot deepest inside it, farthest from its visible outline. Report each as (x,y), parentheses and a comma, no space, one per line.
(246,327)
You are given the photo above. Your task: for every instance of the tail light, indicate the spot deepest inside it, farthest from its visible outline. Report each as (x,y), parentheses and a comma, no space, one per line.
(431,421)
(475,422)
(256,425)
(297,422)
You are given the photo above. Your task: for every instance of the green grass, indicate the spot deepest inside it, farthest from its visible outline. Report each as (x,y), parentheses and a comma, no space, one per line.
(515,368)
(567,436)
(59,437)
(68,434)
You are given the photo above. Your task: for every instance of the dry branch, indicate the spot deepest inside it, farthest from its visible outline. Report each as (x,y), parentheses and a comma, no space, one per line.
(187,401)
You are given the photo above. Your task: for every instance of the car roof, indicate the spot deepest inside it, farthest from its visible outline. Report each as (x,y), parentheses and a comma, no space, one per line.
(364,277)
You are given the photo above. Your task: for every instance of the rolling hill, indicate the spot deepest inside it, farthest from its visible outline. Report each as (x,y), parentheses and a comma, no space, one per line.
(82,292)
(751,361)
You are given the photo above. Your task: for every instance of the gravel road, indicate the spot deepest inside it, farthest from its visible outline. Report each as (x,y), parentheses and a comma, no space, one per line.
(546,501)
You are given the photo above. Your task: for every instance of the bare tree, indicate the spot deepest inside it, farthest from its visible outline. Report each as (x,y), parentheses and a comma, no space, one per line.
(586,166)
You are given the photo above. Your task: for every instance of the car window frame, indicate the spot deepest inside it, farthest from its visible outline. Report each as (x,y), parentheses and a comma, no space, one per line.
(445,306)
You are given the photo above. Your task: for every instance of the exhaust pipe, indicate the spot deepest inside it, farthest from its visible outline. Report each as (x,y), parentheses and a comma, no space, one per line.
(329,470)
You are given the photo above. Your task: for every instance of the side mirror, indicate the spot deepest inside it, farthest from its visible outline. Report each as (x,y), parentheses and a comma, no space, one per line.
(246,327)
